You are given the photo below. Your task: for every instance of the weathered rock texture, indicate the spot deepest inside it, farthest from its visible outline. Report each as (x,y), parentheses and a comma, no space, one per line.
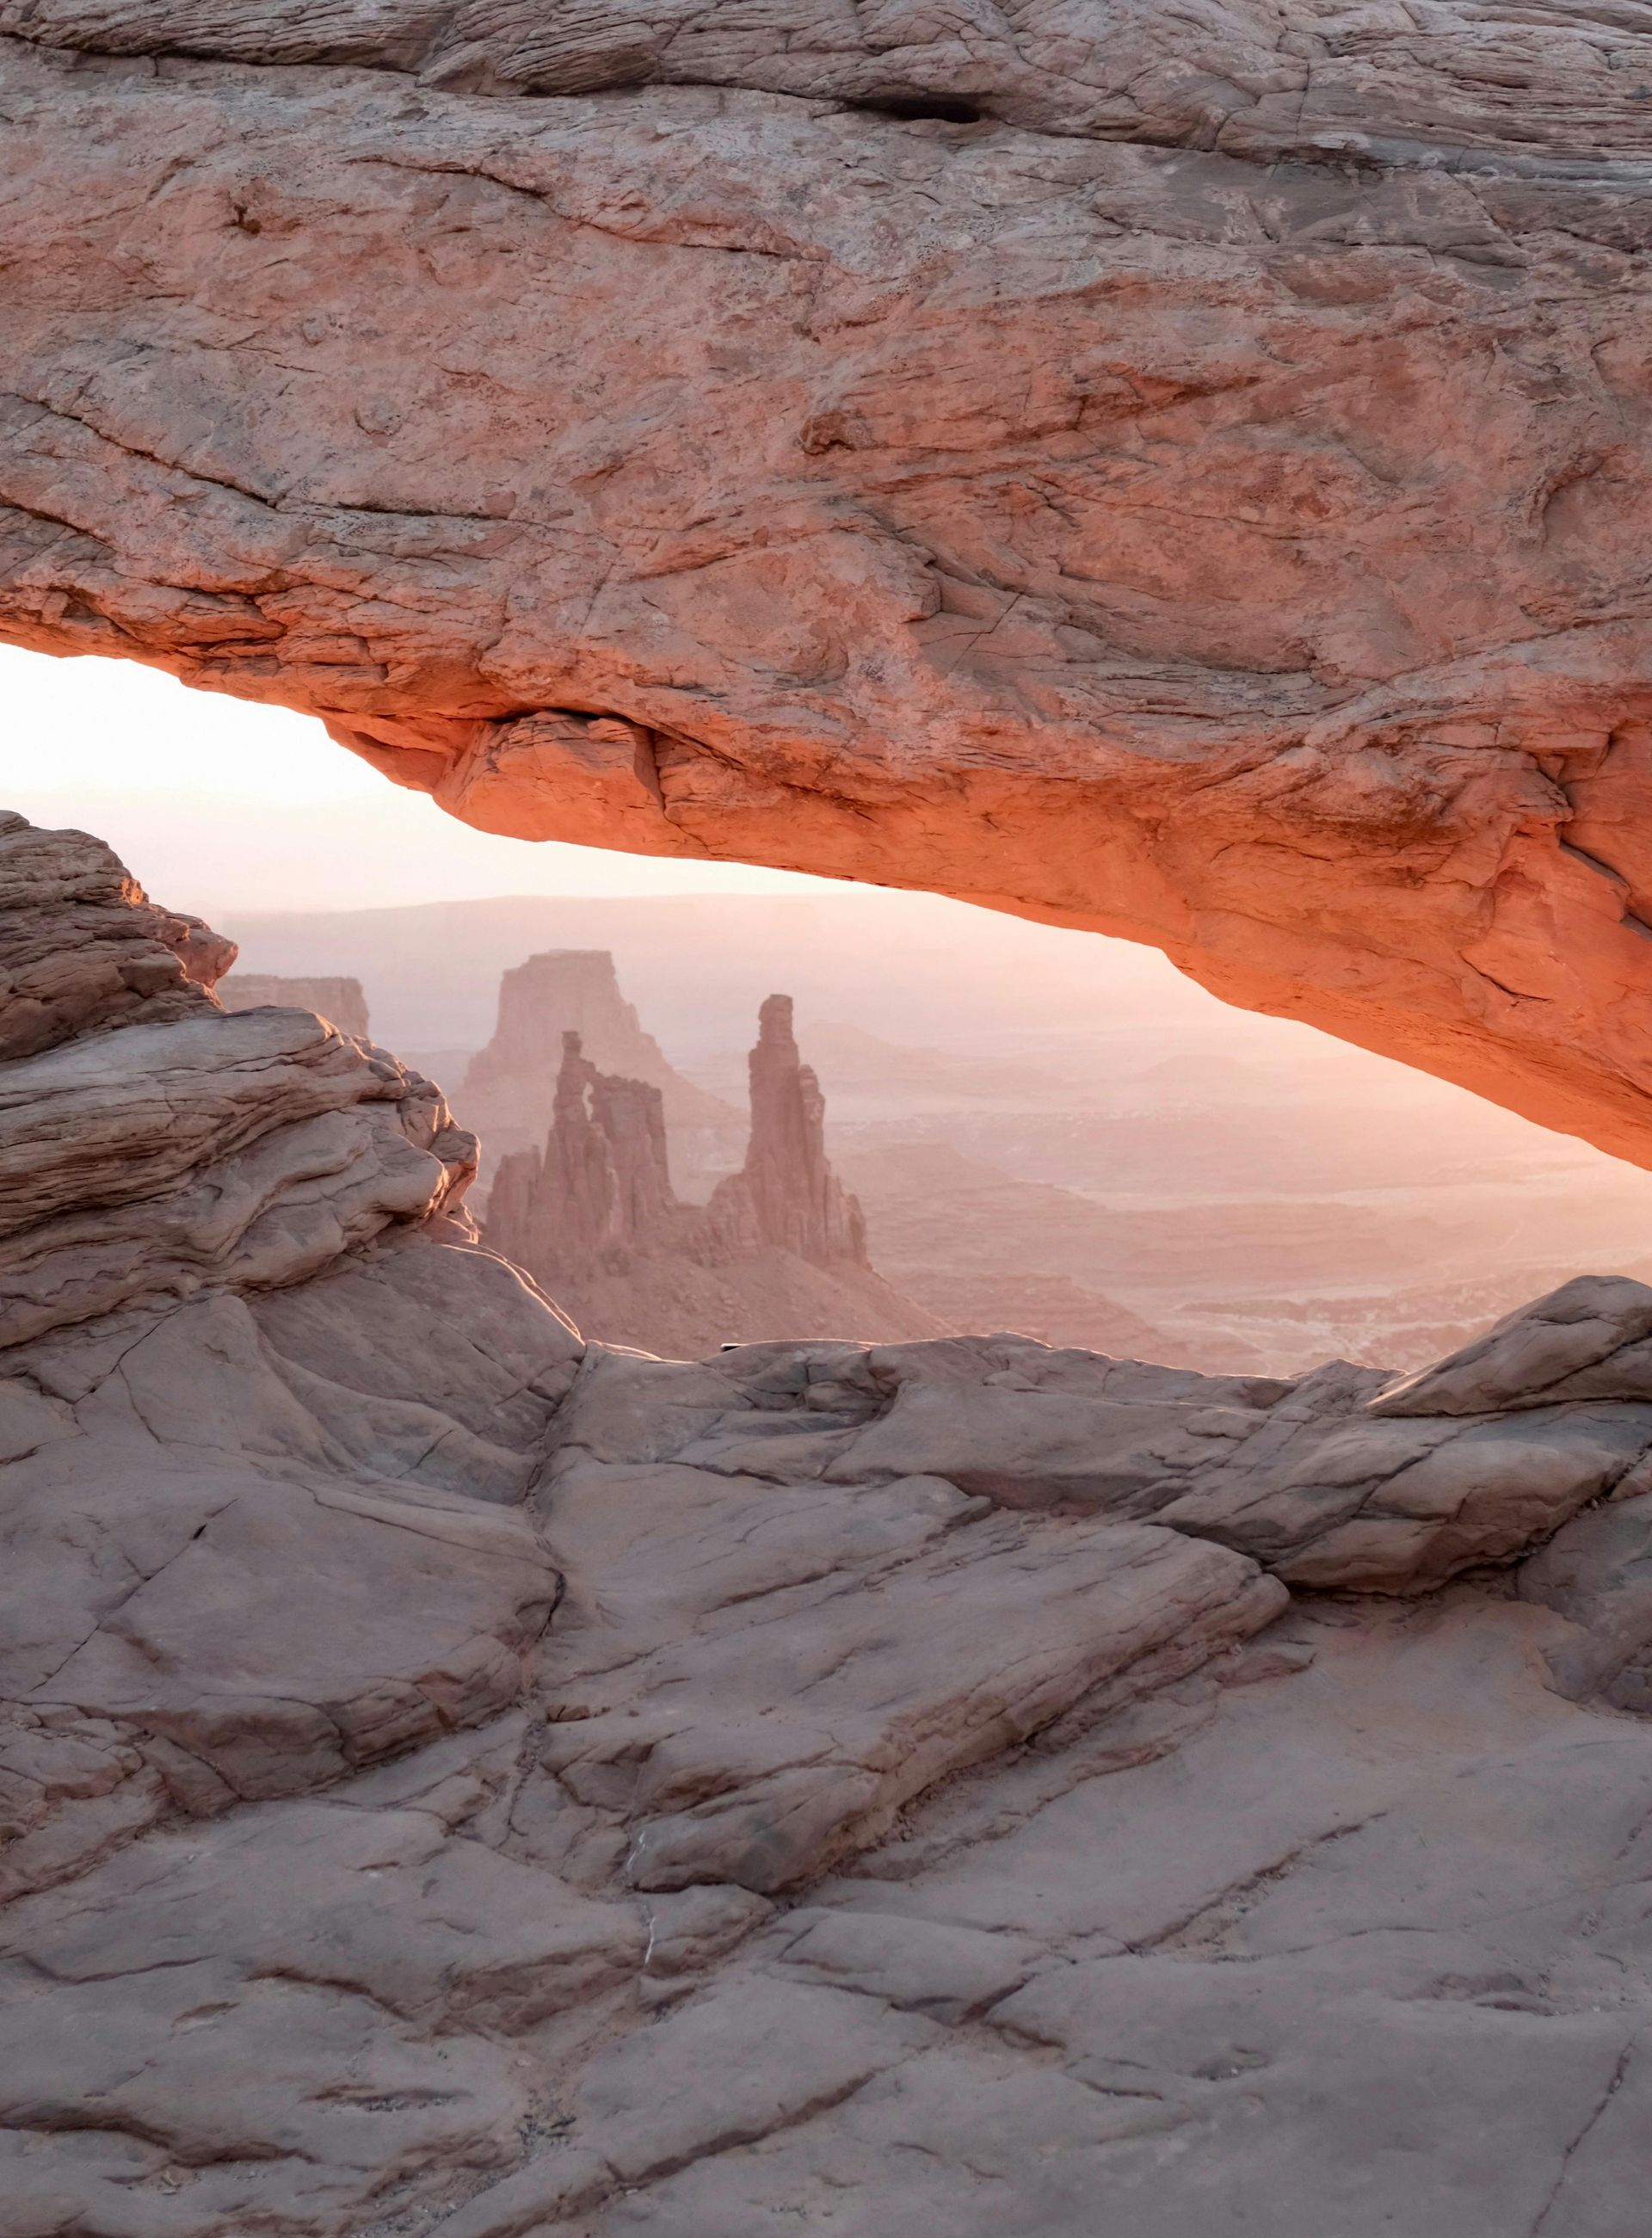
(1200,498)
(83,947)
(780,1244)
(511,1085)
(458,1780)
(340,1000)
(256,1378)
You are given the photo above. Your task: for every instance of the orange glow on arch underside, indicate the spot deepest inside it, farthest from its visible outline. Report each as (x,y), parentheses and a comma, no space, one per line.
(216,803)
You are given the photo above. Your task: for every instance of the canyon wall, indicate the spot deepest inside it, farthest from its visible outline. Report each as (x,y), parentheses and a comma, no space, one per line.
(340,1000)
(1182,475)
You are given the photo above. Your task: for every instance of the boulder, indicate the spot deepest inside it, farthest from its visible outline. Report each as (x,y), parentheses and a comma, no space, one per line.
(1590,1339)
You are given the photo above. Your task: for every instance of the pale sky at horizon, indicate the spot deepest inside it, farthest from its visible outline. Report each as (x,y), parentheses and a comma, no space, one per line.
(230,809)
(216,803)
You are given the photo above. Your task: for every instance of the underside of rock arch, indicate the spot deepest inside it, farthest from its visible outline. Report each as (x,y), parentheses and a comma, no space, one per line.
(1180,475)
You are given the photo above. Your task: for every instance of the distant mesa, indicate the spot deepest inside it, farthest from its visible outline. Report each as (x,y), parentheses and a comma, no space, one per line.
(781,1244)
(340,1001)
(512,1084)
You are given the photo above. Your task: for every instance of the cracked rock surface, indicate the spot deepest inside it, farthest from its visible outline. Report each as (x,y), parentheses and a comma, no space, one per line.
(1176,471)
(456,1782)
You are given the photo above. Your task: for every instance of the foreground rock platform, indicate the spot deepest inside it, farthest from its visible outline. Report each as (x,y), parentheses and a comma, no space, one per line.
(1180,473)
(459,1782)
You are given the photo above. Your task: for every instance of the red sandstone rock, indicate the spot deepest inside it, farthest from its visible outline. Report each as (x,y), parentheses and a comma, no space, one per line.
(1201,501)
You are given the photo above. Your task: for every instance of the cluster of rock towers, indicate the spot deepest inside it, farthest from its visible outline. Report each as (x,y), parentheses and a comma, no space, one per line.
(598,1195)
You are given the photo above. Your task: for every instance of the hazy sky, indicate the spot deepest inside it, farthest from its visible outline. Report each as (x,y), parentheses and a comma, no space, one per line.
(215,804)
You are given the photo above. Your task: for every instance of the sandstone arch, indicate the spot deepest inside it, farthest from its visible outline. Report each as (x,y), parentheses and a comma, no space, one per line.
(1201,499)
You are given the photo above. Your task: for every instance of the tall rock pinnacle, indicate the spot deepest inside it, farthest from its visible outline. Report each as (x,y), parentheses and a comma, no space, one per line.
(600,1189)
(593,1215)
(787,1193)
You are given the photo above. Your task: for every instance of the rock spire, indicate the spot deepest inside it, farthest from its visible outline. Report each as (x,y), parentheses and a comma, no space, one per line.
(600,1189)
(787,1193)
(599,1192)
(780,1245)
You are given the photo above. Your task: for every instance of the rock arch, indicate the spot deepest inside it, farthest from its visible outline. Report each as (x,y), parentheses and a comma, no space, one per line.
(1201,499)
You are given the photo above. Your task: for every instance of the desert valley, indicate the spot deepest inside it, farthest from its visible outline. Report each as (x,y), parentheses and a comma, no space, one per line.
(1048,1133)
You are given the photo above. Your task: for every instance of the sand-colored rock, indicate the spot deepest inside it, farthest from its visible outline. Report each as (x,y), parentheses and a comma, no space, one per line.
(82,947)
(340,1001)
(158,1159)
(768,1696)
(257,1380)
(1598,1572)
(1590,1339)
(1199,499)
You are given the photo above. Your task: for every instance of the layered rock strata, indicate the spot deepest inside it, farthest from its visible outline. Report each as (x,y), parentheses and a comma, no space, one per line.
(256,1378)
(455,1779)
(340,1000)
(83,947)
(1175,474)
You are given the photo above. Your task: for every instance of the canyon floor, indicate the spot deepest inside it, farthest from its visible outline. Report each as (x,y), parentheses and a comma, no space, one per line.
(461,1780)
